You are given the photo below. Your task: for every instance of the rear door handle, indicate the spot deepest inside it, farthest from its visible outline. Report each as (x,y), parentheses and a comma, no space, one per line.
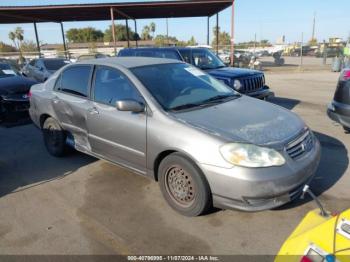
(93,111)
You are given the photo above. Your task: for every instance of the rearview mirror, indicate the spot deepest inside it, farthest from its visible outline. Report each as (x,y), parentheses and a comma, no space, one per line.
(130,105)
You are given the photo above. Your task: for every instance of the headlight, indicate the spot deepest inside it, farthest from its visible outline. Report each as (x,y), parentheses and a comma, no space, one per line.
(237,85)
(248,155)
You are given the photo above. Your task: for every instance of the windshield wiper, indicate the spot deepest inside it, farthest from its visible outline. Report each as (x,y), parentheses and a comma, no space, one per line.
(212,100)
(220,98)
(185,106)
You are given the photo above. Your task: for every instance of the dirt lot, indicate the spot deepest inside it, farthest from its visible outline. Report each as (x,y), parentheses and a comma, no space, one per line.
(81,205)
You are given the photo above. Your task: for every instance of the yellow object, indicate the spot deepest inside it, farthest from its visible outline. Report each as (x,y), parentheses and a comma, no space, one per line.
(317,231)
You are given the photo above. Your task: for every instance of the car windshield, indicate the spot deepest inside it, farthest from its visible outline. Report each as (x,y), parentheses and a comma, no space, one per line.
(55,64)
(181,86)
(6,70)
(205,59)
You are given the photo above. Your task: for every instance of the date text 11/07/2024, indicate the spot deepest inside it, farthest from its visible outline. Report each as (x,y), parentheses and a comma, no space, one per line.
(173,258)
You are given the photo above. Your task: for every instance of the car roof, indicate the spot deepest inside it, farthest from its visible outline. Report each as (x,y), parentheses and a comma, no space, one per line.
(165,48)
(129,62)
(50,59)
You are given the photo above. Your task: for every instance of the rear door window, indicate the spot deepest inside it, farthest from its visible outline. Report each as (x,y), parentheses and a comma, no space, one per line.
(75,80)
(111,85)
(186,55)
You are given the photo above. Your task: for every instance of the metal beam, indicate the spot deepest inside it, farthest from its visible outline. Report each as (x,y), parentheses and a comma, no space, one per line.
(127,31)
(136,34)
(232,52)
(113,30)
(217,33)
(208,31)
(64,42)
(37,40)
(167,31)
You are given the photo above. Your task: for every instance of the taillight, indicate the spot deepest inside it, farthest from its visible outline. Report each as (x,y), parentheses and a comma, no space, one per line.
(305,259)
(29,94)
(345,75)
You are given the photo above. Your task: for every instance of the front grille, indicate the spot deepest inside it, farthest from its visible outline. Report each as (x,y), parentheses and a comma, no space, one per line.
(252,84)
(300,146)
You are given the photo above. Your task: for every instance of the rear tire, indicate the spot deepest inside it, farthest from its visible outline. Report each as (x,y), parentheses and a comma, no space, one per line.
(54,137)
(346,129)
(184,186)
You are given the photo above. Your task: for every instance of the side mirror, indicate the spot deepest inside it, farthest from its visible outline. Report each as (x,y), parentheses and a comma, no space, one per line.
(130,105)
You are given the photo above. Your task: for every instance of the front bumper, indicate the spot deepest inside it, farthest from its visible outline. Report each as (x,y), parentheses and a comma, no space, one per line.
(257,189)
(340,113)
(263,93)
(12,107)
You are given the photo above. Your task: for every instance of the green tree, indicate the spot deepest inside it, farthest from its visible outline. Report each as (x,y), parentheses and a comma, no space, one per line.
(313,42)
(163,40)
(192,41)
(28,46)
(146,33)
(265,43)
(224,37)
(7,48)
(152,28)
(17,37)
(84,35)
(12,37)
(120,34)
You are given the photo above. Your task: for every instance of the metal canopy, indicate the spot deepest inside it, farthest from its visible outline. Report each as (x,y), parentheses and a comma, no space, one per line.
(95,12)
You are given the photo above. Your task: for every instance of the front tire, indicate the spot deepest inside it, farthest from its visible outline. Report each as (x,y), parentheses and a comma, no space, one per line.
(184,186)
(54,137)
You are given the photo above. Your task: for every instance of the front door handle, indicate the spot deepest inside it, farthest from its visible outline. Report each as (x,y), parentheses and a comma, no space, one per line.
(93,111)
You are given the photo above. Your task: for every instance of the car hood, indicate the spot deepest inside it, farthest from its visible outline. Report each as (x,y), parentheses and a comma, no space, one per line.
(15,85)
(231,72)
(246,120)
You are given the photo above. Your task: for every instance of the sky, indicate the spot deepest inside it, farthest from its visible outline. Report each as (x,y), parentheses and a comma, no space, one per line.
(267,19)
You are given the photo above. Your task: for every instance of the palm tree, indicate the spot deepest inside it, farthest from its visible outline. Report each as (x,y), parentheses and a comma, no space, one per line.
(152,28)
(145,33)
(19,35)
(12,37)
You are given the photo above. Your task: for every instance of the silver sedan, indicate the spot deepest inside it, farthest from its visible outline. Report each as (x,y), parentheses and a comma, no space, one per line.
(205,144)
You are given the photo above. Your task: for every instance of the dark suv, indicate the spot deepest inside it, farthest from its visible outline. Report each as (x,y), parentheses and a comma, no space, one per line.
(245,81)
(339,109)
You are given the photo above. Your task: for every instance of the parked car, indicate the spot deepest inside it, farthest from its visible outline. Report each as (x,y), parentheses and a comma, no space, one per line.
(204,143)
(14,90)
(339,109)
(41,69)
(245,81)
(14,64)
(91,56)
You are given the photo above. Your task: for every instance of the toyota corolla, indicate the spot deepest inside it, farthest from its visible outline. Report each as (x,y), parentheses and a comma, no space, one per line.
(204,143)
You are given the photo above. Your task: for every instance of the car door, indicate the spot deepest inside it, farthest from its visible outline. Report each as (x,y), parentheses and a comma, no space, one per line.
(71,102)
(118,136)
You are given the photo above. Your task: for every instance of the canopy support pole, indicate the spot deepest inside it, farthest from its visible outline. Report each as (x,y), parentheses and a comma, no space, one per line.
(113,30)
(208,31)
(233,34)
(64,41)
(37,40)
(136,34)
(217,33)
(127,32)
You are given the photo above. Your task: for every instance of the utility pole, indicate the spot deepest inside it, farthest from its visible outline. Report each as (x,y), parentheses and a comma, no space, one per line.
(301,50)
(254,43)
(313,27)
